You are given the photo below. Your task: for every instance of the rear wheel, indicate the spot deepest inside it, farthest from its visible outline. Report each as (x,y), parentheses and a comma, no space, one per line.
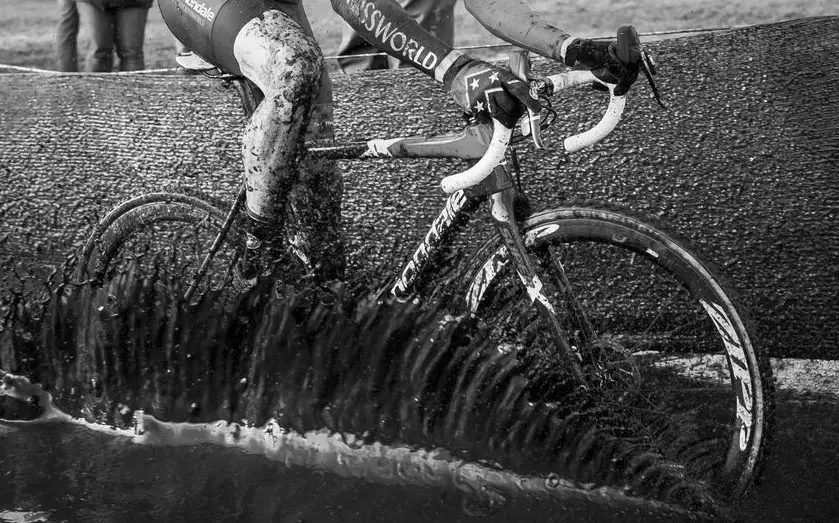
(665,345)
(165,236)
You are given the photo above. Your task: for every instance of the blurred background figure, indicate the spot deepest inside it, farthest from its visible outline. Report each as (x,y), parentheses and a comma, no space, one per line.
(435,16)
(115,24)
(66,36)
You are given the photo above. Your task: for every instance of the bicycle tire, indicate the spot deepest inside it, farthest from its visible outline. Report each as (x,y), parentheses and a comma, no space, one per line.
(172,222)
(593,238)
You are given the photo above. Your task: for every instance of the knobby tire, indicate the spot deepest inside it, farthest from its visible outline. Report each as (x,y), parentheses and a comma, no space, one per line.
(673,356)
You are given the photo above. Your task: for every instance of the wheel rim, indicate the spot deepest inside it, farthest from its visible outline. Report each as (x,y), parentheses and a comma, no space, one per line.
(698,402)
(166,244)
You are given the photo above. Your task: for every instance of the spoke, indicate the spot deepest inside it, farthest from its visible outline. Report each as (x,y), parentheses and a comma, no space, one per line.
(650,326)
(570,297)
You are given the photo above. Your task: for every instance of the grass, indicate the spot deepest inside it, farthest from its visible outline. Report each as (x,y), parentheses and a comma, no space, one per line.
(26,28)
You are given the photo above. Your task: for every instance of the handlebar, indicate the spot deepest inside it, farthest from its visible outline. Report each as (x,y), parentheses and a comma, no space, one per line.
(497,148)
(491,159)
(610,118)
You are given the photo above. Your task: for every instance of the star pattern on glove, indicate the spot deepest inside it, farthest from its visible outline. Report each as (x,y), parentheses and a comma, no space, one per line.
(477,84)
(481,88)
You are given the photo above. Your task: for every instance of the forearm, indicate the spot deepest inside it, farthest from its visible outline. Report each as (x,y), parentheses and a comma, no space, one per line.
(515,22)
(391,29)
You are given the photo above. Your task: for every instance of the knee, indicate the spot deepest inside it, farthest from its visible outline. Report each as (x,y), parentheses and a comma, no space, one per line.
(131,59)
(276,54)
(100,61)
(298,80)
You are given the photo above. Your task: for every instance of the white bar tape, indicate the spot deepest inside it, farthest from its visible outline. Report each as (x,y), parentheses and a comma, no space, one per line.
(493,156)
(605,126)
(571,79)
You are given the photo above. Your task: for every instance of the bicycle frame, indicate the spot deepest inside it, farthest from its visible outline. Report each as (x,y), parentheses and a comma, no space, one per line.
(470,143)
(502,194)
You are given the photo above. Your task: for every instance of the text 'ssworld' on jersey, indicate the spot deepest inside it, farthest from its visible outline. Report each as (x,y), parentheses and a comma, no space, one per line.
(381,26)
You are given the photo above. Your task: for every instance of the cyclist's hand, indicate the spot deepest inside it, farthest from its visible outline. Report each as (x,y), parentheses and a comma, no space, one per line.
(617,62)
(483,89)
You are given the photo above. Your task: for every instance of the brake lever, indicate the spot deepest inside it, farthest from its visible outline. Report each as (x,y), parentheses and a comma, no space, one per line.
(519,62)
(648,67)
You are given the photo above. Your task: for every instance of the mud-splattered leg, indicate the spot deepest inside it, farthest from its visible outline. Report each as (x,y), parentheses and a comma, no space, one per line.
(314,207)
(314,211)
(282,58)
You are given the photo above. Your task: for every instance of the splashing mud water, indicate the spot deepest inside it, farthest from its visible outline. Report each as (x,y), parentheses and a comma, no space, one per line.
(486,487)
(392,394)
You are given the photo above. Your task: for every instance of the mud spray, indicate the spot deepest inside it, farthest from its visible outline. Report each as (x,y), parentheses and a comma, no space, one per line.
(393,394)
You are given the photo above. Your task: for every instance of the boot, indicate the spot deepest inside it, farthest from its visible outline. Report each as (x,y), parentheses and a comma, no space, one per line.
(263,249)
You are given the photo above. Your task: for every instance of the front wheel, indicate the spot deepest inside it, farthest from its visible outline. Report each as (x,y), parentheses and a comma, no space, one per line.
(665,345)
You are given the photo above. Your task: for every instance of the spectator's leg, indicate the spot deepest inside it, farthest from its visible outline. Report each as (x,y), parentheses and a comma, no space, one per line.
(131,30)
(102,31)
(435,16)
(66,36)
(353,44)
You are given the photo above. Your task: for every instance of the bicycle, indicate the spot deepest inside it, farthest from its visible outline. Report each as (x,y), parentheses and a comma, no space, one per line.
(629,311)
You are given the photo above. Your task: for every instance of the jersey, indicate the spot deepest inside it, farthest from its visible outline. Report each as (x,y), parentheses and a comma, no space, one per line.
(209,28)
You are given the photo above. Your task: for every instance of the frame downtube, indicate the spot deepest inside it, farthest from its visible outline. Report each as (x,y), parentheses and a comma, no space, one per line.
(458,203)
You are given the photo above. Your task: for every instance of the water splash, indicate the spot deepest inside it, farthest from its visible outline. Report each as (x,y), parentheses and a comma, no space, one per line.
(484,488)
(390,393)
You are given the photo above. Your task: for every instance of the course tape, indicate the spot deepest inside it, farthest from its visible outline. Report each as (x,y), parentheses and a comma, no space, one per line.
(172,70)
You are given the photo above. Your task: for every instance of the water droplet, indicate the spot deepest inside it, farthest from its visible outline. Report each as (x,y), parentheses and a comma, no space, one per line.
(193,409)
(139,425)
(96,386)
(552,481)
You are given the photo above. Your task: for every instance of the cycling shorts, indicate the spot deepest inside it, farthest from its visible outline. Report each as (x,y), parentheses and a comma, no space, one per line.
(209,27)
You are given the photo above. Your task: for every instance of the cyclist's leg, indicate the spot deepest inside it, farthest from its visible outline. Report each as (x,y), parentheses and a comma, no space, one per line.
(315,230)
(315,201)
(285,62)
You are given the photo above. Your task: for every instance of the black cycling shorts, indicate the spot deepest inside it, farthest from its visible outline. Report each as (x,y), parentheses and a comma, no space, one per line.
(209,27)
